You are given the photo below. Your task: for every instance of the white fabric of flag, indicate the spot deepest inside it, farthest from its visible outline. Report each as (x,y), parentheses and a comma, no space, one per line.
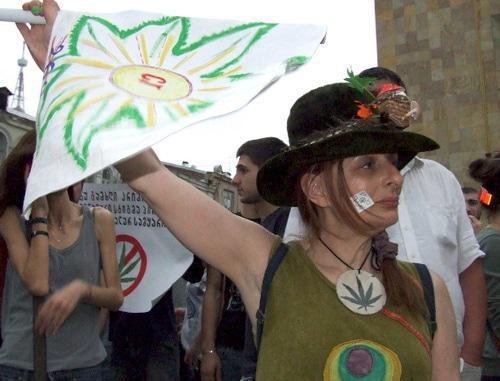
(116,84)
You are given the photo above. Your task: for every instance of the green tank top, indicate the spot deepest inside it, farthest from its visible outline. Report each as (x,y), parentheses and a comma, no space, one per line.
(309,335)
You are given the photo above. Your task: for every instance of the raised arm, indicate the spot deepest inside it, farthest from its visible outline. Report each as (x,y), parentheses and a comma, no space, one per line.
(237,247)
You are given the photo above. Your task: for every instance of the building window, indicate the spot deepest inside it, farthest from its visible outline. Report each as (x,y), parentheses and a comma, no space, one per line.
(3,146)
(106,175)
(228,199)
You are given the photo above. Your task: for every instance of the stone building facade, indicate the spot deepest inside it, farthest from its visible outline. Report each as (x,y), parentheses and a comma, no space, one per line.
(448,53)
(216,184)
(13,124)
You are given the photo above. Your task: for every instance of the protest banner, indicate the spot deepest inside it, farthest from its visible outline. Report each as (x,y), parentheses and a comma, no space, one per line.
(150,258)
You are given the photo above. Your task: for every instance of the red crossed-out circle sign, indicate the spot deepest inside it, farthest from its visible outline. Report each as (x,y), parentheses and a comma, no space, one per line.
(135,250)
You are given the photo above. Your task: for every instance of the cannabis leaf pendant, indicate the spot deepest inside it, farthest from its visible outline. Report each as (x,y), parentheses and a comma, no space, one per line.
(361,292)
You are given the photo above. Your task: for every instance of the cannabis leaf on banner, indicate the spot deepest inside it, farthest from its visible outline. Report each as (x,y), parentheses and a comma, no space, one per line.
(126,269)
(361,298)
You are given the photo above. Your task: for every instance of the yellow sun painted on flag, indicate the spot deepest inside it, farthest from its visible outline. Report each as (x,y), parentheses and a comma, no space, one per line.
(151,83)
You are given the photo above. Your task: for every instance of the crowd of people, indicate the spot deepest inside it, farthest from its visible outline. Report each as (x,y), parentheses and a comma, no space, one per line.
(352,257)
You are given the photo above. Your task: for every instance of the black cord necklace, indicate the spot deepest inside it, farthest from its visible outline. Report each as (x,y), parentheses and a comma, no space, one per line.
(341,260)
(359,290)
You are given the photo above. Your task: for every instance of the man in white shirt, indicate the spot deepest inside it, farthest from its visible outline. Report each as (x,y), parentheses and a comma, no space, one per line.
(434,229)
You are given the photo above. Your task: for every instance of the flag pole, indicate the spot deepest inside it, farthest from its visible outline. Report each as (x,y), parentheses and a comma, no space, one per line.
(39,346)
(20,16)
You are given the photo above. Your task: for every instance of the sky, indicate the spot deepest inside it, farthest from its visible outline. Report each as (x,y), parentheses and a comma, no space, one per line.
(350,42)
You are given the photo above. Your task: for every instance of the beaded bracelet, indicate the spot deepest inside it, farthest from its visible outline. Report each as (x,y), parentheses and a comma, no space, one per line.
(39,232)
(38,220)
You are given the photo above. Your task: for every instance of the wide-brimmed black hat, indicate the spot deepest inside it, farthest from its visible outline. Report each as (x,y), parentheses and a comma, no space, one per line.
(323,126)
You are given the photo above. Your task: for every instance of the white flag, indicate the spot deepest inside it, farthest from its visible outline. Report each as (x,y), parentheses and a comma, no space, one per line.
(116,84)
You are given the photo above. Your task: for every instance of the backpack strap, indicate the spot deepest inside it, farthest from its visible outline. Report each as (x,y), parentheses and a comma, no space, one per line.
(271,269)
(281,223)
(428,288)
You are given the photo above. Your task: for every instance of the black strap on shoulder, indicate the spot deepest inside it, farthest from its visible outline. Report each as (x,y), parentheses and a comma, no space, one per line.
(282,221)
(425,277)
(271,269)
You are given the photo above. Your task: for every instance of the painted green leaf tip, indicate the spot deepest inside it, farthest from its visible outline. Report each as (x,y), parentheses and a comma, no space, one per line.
(127,279)
(130,267)
(121,262)
(237,77)
(293,63)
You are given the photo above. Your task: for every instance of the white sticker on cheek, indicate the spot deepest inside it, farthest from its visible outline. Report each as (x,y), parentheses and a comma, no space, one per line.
(362,201)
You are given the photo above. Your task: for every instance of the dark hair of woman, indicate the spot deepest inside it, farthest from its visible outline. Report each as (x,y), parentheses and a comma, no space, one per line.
(400,287)
(487,172)
(12,181)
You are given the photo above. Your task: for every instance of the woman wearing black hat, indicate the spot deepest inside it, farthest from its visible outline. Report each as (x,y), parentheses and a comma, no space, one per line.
(339,307)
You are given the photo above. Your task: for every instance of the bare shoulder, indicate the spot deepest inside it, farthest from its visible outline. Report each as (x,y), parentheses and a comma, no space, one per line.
(102,215)
(104,223)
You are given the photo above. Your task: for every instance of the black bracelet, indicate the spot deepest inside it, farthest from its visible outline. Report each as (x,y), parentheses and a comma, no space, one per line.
(39,232)
(38,220)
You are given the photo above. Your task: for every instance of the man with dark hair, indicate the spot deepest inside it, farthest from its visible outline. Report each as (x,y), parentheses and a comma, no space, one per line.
(261,150)
(433,228)
(252,155)
(473,207)
(225,352)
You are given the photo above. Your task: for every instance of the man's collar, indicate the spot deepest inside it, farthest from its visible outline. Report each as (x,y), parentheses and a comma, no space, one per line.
(413,163)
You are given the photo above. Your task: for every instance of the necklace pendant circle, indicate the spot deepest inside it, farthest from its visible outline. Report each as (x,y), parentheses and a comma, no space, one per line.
(361,292)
